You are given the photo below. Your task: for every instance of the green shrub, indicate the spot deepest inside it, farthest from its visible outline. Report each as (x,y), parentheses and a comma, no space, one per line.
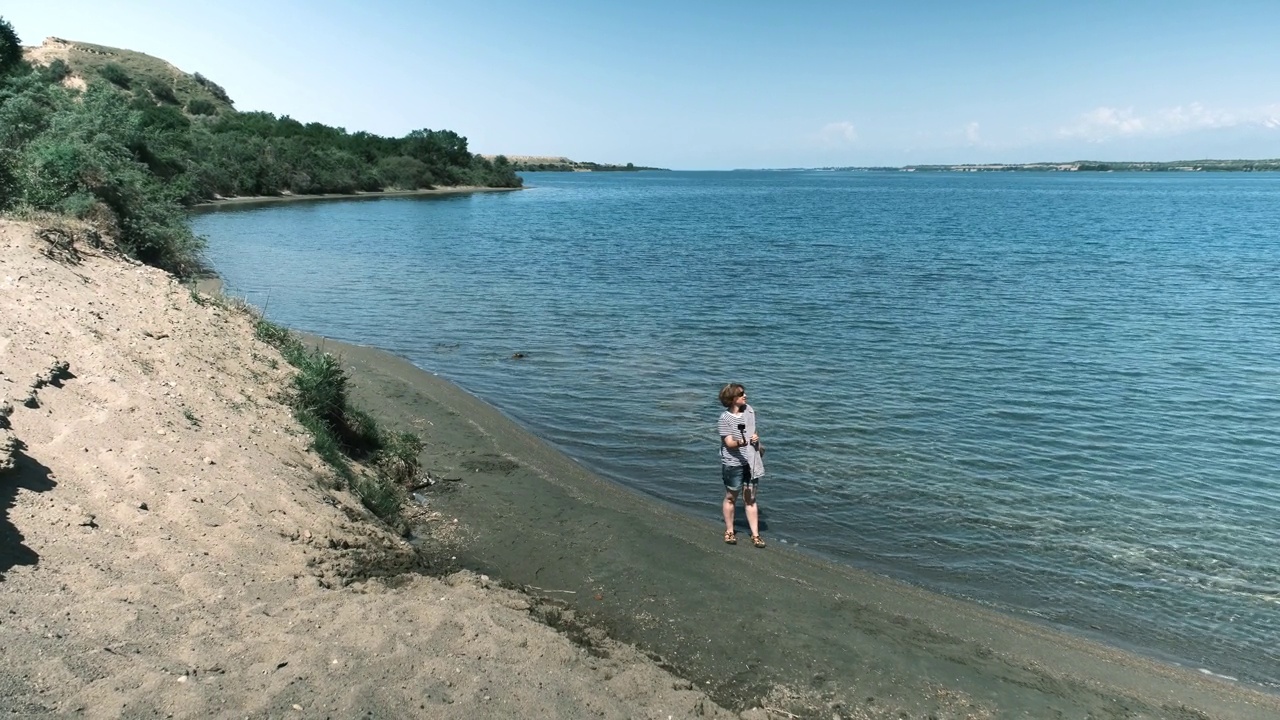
(383,497)
(339,431)
(403,172)
(162,92)
(200,106)
(214,88)
(56,71)
(115,74)
(322,390)
(79,205)
(52,170)
(325,443)
(96,147)
(364,437)
(279,337)
(8,180)
(398,458)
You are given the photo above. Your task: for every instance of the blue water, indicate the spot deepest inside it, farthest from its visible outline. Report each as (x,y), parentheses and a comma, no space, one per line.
(1056,394)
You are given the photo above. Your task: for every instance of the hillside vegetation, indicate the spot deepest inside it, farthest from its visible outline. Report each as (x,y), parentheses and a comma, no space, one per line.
(128,142)
(553,163)
(138,75)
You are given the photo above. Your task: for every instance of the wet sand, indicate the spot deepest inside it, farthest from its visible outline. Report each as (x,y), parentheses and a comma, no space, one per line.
(771,627)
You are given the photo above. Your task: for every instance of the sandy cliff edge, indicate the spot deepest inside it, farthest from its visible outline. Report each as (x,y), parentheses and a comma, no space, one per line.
(168,547)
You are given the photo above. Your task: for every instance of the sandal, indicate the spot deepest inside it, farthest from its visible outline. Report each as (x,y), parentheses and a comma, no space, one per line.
(730,538)
(757,541)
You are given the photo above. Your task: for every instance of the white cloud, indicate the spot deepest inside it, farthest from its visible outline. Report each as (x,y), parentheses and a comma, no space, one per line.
(1271,117)
(971,133)
(1105,123)
(838,133)
(1194,117)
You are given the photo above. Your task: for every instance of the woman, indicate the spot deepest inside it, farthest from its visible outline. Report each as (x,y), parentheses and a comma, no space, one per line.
(741,466)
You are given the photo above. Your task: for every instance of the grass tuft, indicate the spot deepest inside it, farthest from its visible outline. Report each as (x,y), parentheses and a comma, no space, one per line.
(398,457)
(382,496)
(342,433)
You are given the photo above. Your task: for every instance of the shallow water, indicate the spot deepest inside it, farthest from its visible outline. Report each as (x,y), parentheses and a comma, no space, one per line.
(1053,393)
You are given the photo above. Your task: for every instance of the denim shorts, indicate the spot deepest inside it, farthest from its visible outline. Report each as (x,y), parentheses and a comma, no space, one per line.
(735,475)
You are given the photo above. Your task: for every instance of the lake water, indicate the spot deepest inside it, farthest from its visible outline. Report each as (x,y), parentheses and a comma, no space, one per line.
(1055,394)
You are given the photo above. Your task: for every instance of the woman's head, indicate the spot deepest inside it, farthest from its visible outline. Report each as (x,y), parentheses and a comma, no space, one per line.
(730,393)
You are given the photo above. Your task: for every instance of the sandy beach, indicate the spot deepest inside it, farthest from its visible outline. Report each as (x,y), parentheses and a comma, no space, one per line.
(170,547)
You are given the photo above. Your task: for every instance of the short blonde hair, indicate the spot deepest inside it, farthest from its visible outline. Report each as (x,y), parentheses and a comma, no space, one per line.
(731,392)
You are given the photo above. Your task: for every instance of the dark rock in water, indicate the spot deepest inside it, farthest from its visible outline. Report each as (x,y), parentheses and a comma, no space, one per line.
(519,356)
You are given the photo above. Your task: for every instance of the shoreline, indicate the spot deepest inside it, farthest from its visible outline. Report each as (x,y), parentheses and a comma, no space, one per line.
(740,622)
(241,201)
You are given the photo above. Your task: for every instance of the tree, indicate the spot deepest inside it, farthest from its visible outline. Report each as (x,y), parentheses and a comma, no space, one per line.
(10,48)
(404,173)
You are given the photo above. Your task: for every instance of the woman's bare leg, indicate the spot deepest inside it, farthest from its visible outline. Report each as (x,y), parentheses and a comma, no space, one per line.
(730,500)
(753,512)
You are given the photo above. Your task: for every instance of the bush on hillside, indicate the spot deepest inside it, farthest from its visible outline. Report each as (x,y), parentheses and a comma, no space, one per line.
(214,88)
(162,92)
(115,74)
(340,431)
(200,106)
(27,107)
(9,185)
(56,71)
(93,148)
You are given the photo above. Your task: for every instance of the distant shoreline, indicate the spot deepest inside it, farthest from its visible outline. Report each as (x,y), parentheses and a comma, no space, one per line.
(268,199)
(1172,166)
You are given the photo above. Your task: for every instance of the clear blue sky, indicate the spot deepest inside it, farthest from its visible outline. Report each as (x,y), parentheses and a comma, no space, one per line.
(712,85)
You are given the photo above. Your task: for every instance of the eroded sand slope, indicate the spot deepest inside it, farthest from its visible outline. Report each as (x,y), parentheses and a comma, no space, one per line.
(168,546)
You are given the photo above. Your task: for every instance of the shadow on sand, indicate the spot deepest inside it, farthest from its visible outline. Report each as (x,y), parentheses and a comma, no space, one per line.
(26,474)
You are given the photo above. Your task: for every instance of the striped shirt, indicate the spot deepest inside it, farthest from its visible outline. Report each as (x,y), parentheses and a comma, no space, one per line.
(743,454)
